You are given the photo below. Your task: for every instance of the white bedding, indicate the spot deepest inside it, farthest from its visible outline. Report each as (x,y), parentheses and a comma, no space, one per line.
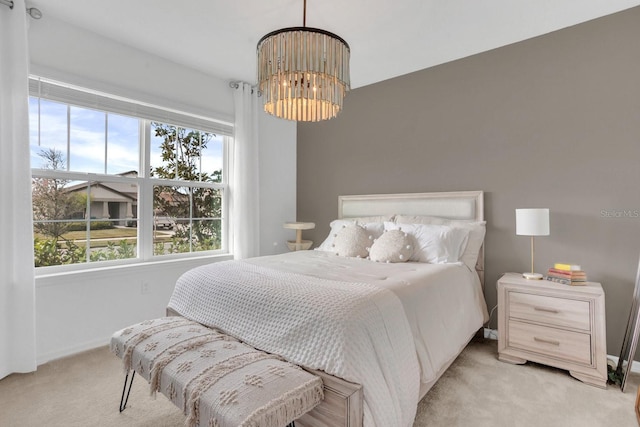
(412,320)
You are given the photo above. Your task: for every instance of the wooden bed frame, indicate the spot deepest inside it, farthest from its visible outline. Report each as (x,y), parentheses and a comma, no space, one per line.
(343,401)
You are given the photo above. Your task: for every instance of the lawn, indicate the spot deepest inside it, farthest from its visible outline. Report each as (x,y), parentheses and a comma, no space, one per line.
(101,238)
(113,233)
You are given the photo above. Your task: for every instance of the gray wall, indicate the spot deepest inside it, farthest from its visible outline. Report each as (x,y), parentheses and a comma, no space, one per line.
(549,122)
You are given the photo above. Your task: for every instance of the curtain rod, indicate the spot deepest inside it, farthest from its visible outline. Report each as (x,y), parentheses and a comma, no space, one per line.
(31,11)
(235,84)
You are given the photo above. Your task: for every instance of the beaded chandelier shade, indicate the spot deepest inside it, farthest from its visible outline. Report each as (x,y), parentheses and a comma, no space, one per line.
(303,73)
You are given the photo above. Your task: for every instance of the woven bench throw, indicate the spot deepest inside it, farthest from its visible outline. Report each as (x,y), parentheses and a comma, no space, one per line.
(216,380)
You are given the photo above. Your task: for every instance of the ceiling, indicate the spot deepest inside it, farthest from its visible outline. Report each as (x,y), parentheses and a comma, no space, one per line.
(387,38)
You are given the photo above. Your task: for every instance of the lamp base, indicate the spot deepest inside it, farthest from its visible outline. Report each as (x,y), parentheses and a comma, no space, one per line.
(532,276)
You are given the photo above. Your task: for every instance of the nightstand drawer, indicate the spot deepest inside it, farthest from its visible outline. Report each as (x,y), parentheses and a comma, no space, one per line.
(570,346)
(549,310)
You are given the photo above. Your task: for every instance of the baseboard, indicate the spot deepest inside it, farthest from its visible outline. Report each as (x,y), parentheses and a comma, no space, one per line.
(634,368)
(70,351)
(491,334)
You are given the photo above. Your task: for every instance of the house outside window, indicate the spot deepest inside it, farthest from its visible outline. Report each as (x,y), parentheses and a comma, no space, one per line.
(115,181)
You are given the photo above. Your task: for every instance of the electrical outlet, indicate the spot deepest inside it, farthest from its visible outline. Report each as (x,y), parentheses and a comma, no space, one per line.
(491,334)
(144,288)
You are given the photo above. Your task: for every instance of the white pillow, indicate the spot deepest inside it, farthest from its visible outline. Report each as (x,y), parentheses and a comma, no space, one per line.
(477,231)
(435,244)
(392,246)
(352,241)
(374,229)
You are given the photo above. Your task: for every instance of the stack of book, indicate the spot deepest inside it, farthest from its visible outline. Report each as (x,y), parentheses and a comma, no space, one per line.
(567,274)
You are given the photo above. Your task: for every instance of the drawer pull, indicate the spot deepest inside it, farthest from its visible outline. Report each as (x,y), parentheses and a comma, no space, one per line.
(547,310)
(546,341)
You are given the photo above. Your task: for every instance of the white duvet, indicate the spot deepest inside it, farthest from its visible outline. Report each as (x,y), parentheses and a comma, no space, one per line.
(385,326)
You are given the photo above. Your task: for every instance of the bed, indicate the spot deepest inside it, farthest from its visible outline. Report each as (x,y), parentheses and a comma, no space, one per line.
(379,334)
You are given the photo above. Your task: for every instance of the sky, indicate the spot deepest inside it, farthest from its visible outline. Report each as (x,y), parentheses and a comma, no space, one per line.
(87,140)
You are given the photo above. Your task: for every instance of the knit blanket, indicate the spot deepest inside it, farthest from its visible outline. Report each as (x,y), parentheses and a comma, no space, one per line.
(355,331)
(216,380)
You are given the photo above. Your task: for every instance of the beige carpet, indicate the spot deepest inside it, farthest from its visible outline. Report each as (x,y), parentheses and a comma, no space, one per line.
(477,390)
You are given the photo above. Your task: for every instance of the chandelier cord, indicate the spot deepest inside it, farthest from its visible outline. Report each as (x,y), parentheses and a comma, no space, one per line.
(304,14)
(31,11)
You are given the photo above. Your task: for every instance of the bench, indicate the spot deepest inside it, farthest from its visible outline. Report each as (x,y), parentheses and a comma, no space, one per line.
(215,379)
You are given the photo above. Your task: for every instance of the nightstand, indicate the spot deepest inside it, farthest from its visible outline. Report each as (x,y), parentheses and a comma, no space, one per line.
(553,324)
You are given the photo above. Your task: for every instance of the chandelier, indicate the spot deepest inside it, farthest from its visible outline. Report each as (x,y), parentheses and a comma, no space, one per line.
(303,73)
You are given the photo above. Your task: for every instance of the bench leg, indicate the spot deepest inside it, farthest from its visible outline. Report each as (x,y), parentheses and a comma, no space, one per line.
(123,400)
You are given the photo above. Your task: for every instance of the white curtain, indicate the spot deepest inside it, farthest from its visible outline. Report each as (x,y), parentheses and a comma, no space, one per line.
(17,293)
(245,194)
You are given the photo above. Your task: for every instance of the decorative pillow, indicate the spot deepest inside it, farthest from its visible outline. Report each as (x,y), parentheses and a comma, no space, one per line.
(392,246)
(435,244)
(352,241)
(374,229)
(477,230)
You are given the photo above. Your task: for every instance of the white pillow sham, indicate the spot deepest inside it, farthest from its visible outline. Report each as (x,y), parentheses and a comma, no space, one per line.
(374,229)
(477,231)
(392,246)
(435,244)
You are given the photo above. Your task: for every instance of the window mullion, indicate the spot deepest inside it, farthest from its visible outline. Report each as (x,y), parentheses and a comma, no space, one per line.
(39,111)
(145,201)
(225,211)
(87,246)
(106,138)
(177,153)
(191,223)
(68,138)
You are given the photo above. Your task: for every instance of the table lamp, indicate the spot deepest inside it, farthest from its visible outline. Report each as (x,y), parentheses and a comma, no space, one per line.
(532,222)
(299,244)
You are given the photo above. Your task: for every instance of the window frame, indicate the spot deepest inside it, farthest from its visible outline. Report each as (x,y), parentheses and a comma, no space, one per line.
(86,98)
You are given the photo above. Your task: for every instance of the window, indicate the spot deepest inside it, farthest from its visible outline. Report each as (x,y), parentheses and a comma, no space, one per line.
(115,180)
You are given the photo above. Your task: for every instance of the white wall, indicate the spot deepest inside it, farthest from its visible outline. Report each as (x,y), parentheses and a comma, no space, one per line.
(63,52)
(277,182)
(81,310)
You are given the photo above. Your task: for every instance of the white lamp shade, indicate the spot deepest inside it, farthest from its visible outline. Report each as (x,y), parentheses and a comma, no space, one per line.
(532,222)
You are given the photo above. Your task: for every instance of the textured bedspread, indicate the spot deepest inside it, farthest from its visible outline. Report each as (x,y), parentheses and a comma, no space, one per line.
(352,330)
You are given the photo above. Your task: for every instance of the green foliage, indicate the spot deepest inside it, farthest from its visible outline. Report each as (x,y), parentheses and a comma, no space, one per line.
(181,149)
(123,250)
(613,375)
(49,252)
(180,245)
(159,249)
(95,225)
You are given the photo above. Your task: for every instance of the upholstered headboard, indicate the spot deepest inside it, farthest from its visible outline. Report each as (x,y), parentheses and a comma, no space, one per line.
(452,205)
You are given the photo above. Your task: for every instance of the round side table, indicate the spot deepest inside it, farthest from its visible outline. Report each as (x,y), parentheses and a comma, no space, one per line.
(299,244)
